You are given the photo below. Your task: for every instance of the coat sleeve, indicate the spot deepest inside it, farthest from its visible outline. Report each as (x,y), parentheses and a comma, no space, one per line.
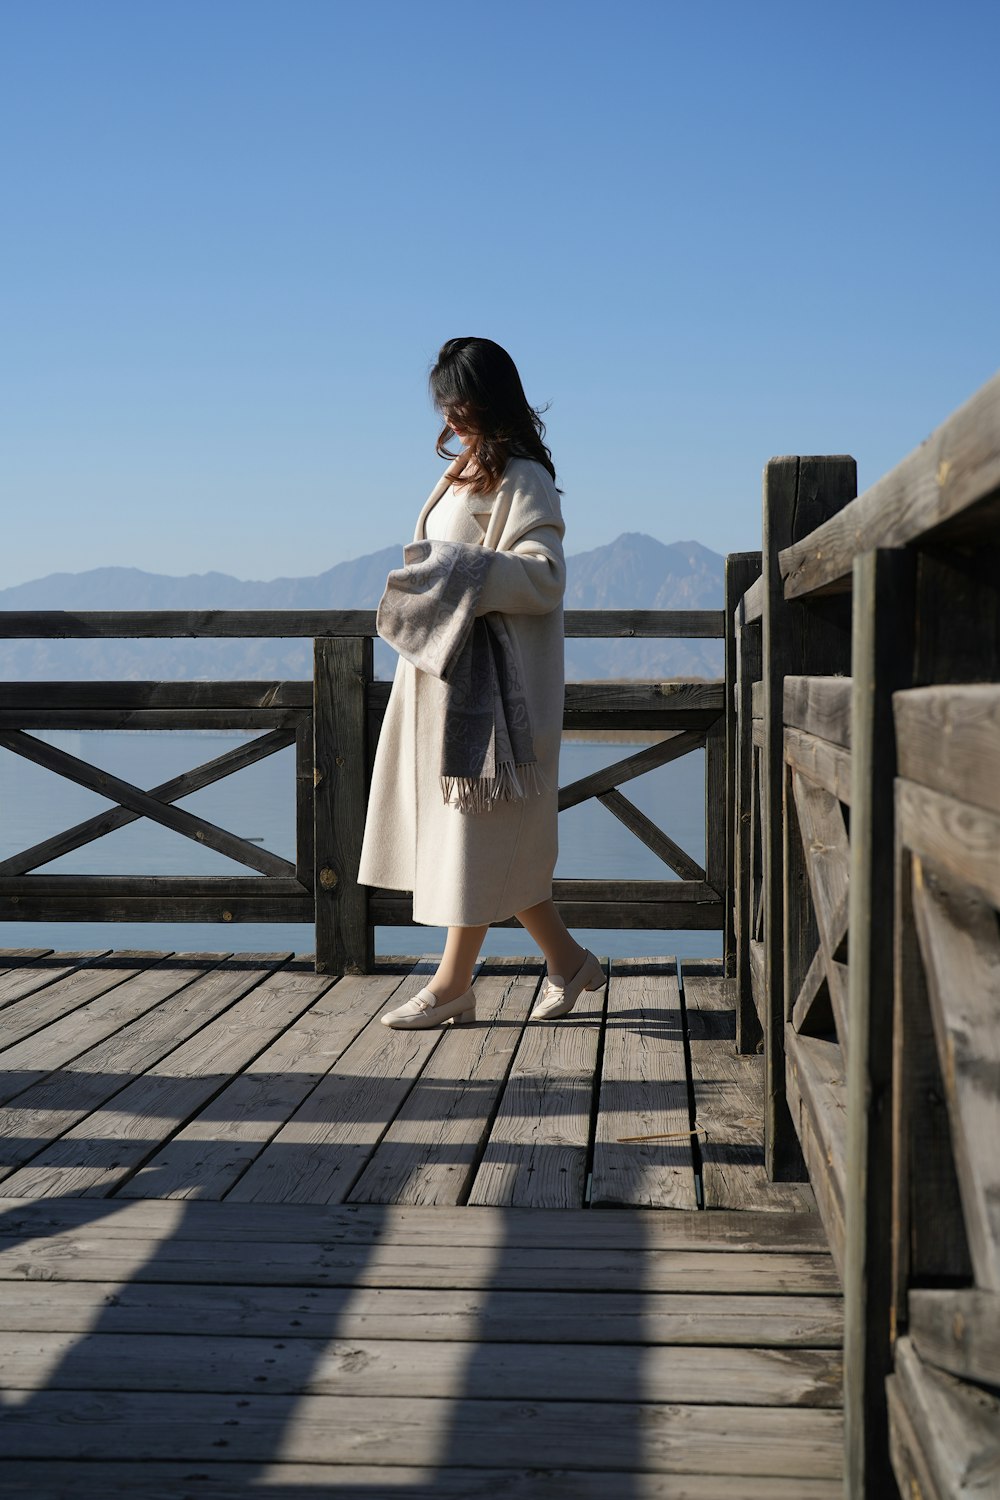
(527,573)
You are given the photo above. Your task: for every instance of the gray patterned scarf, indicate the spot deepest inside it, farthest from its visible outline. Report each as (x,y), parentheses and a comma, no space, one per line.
(427,614)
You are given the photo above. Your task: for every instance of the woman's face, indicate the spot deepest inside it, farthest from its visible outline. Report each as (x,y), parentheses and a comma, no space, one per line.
(456,421)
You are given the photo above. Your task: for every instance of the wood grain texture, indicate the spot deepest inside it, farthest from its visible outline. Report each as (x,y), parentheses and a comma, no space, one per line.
(95,1051)
(818,1092)
(788,1441)
(86,1255)
(728,1104)
(32,1012)
(322,1149)
(163,1480)
(819,706)
(957,1424)
(958,1331)
(210,1154)
(819,761)
(949,740)
(537,1151)
(959,838)
(431,1151)
(99,1153)
(961,950)
(440,1226)
(765,1319)
(376,1368)
(643,1092)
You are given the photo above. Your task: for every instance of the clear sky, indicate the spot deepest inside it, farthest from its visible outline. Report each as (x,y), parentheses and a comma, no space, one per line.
(236,232)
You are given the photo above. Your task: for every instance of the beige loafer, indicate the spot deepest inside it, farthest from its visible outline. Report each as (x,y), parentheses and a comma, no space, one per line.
(559,998)
(425,1011)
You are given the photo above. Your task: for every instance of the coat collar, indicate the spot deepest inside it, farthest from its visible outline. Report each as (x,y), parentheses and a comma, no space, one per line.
(476,505)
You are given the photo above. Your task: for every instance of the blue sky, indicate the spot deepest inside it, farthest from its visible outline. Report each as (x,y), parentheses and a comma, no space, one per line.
(236,233)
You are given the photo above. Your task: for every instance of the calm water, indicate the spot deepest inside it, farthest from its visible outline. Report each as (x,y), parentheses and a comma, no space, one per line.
(259,803)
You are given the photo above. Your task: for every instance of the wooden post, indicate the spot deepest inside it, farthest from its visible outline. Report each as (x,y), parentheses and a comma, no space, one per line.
(342,674)
(800,636)
(715,810)
(882,662)
(742,671)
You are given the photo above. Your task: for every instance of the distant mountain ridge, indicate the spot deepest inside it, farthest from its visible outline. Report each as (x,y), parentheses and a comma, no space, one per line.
(635,571)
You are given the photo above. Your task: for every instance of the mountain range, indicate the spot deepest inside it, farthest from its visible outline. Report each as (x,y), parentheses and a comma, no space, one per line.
(634,571)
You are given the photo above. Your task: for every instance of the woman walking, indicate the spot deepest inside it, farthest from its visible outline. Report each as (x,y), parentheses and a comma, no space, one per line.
(464,794)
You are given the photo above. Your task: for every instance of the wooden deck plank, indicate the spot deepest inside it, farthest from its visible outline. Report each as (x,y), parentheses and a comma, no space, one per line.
(329,1429)
(33,1013)
(162,1480)
(59,1100)
(729,1102)
(399,1367)
(643,1092)
(87,1255)
(430,1152)
(536,1156)
(103,1150)
(64,1041)
(771,1320)
(20,976)
(211,1153)
(321,1151)
(640,1229)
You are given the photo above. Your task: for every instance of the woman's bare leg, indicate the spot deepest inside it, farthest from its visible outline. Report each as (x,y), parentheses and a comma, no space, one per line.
(454,973)
(563,954)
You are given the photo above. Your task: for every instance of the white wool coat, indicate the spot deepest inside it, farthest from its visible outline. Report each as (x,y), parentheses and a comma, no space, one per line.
(468,869)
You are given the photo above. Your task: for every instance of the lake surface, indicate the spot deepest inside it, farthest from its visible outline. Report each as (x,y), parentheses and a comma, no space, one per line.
(259,803)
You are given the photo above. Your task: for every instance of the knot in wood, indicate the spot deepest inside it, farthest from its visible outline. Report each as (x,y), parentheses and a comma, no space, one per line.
(327,878)
(227,916)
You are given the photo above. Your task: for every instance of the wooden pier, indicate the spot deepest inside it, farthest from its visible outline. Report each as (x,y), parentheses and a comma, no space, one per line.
(251,1241)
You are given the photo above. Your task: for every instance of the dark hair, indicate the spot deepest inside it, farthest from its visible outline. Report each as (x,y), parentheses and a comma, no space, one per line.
(476,382)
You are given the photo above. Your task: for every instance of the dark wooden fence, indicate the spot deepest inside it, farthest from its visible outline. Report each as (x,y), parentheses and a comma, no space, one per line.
(334,722)
(866,844)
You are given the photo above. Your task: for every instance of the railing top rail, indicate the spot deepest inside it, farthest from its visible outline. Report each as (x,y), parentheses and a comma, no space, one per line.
(256,624)
(955,469)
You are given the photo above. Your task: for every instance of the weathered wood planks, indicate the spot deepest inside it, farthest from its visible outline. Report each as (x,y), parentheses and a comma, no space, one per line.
(643,1093)
(728,1094)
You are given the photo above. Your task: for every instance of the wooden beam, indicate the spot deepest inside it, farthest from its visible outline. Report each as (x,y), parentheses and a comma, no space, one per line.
(168,791)
(820,706)
(881,664)
(304,624)
(799,494)
(609,777)
(742,568)
(143,805)
(949,740)
(344,933)
(654,838)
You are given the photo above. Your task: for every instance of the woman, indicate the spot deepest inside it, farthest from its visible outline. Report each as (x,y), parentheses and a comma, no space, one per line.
(465,868)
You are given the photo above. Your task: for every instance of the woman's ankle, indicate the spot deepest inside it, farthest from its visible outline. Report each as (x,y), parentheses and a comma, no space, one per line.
(444,991)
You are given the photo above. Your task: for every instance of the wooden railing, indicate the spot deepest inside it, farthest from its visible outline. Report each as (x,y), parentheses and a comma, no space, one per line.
(334,722)
(866,848)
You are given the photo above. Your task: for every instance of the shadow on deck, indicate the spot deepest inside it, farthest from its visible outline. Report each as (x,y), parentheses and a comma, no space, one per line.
(251,1241)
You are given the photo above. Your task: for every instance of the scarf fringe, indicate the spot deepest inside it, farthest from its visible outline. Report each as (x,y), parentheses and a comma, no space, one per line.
(478,794)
